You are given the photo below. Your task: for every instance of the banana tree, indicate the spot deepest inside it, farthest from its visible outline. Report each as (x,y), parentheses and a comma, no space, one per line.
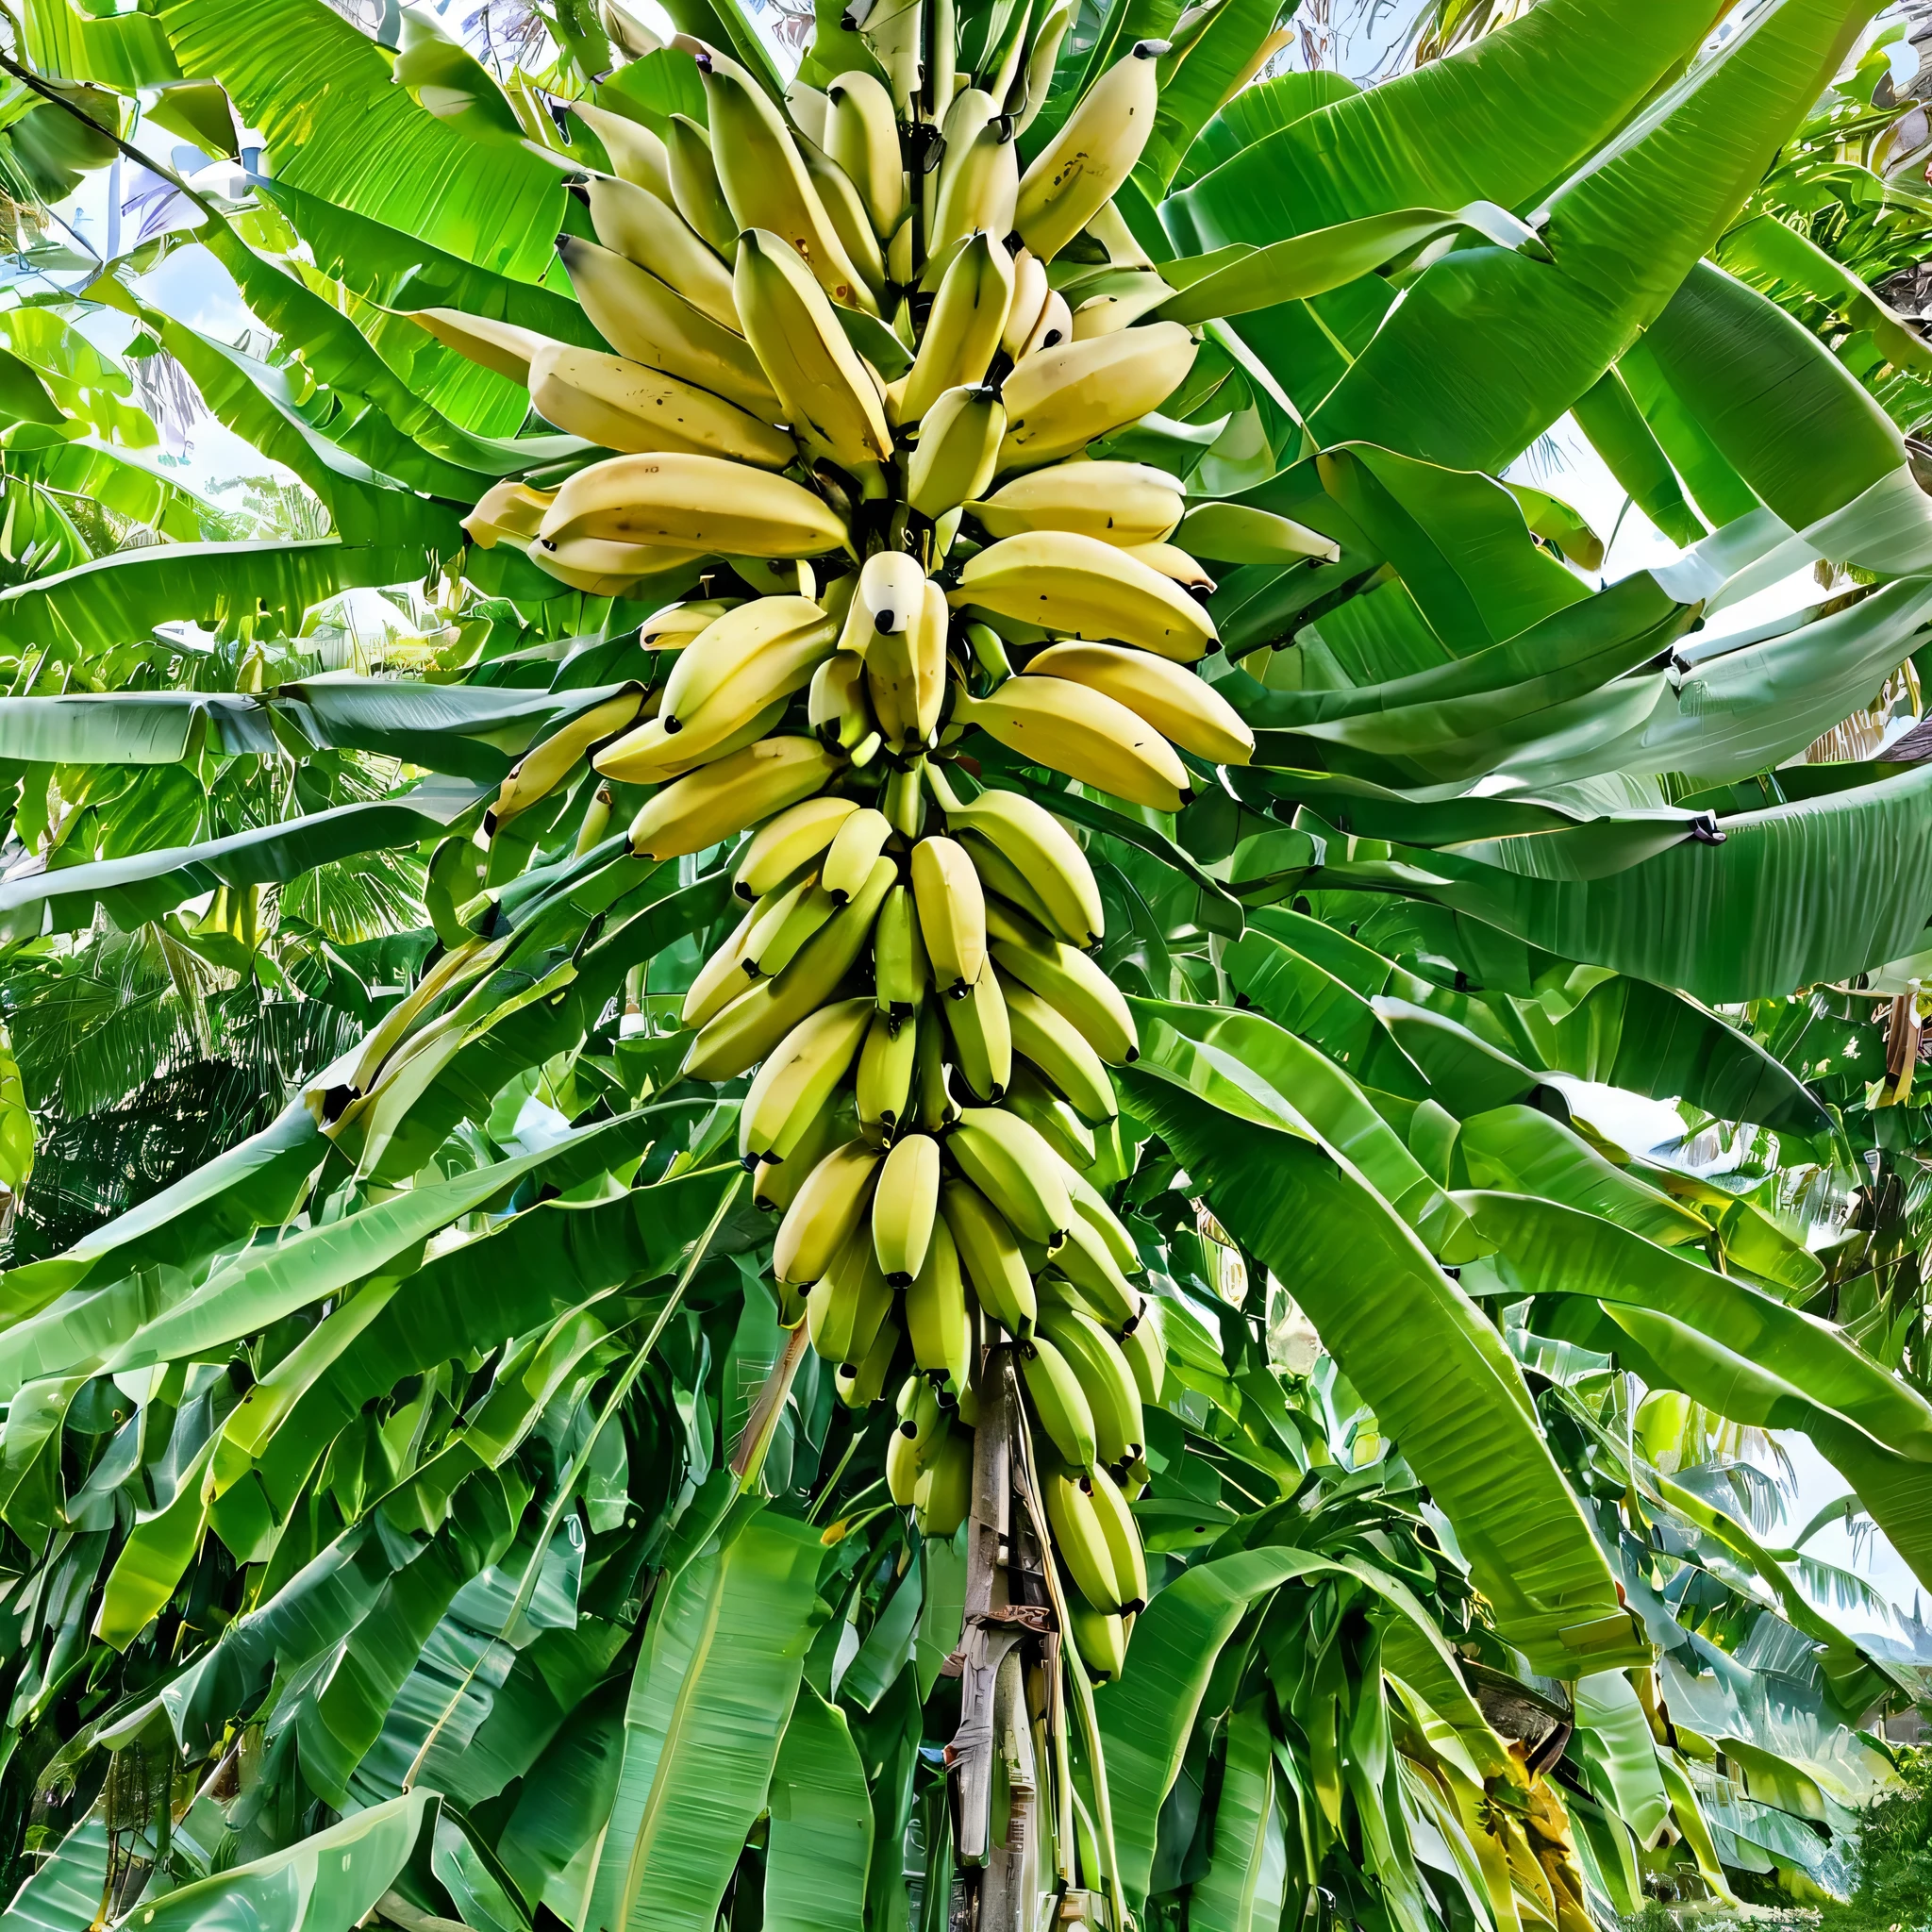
(1019,727)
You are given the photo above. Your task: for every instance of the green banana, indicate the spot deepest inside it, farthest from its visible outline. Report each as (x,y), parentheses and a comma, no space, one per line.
(1040,1107)
(1058,1401)
(1122,1540)
(794,917)
(853,851)
(866,1383)
(1101,1639)
(1090,1206)
(959,445)
(905,1206)
(1145,1349)
(886,1065)
(952,914)
(1080,1542)
(1068,980)
(797,1079)
(944,1491)
(781,845)
(899,963)
(937,1317)
(694,189)
(832,1202)
(849,1304)
(838,710)
(1047,1038)
(638,223)
(1016,1170)
(934,1099)
(982,1041)
(1084,1260)
(990,1256)
(1113,1397)
(1041,850)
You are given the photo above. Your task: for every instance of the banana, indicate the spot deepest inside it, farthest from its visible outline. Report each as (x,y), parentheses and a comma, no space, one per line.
(545,766)
(1184,708)
(1113,1397)
(826,390)
(1080,1541)
(838,710)
(797,1081)
(1089,736)
(776,938)
(892,27)
(862,136)
(944,1491)
(721,798)
(1053,326)
(764,180)
(959,445)
(499,346)
(1129,1557)
(1068,979)
(933,1098)
(1015,1170)
(713,669)
(636,154)
(806,109)
(1170,562)
(643,228)
(598,567)
(1030,291)
(846,210)
(794,839)
(1128,504)
(1041,58)
(1058,399)
(1040,1107)
(980,174)
(1002,878)
(777,1183)
(982,1037)
(990,1251)
(952,913)
(900,968)
(1039,849)
(1090,1206)
(721,978)
(1101,1639)
(902,1469)
(921,1418)
(594,824)
(694,190)
(886,1065)
(695,504)
(900,263)
(1058,1048)
(866,1383)
(751,1027)
(850,1301)
(1001,62)
(655,754)
(1077,172)
(828,1206)
(678,625)
(905,673)
(624,406)
(1145,1349)
(1127,297)
(1087,589)
(962,333)
(853,851)
(903,799)
(651,323)
(888,597)
(937,1317)
(1085,1260)
(506,509)
(1058,1401)
(904,1206)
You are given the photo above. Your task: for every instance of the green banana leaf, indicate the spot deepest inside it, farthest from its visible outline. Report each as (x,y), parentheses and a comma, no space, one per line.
(121,51)
(1203,69)
(64,1894)
(715,1684)
(1260,109)
(1242,1888)
(819,1847)
(1613,1736)
(550,1841)
(1384,1309)
(1610,418)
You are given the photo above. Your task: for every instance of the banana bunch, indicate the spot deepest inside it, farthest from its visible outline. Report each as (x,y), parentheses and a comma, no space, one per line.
(855,357)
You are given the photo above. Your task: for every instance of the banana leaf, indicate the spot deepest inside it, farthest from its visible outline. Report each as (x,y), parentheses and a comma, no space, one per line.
(1242,1888)
(64,1894)
(1204,68)
(1610,418)
(121,51)
(1259,110)
(819,1847)
(1614,1738)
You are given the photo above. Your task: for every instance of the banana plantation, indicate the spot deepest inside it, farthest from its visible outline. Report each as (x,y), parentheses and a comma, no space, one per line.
(999,1010)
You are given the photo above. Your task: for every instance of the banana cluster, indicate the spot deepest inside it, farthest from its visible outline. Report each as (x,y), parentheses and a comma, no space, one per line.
(857,354)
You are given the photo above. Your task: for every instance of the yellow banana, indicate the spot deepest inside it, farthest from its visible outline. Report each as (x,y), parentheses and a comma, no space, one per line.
(508,509)
(710,668)
(1087,589)
(1047,1038)
(1145,1348)
(1170,562)
(721,798)
(862,136)
(944,1491)
(646,229)
(846,1309)
(952,912)
(596,823)
(826,390)
(962,333)
(1124,304)
(982,1037)
(651,323)
(838,710)
(886,1064)
(655,754)
(1080,1541)
(1052,327)
(1090,1206)
(1058,1401)
(1059,398)
(905,673)
(905,1206)
(845,209)
(749,1028)
(695,504)
(1085,734)
(721,979)
(1113,1397)
(1015,1170)
(853,851)
(764,180)
(866,1383)
(778,937)
(694,189)
(499,346)
(545,766)
(1068,979)
(1128,504)
(938,1321)
(1001,878)
(797,1081)
(979,175)
(598,567)
(830,1205)
(990,1251)
(678,625)
(1030,291)
(624,406)
(1041,851)
(1124,1543)
(958,445)
(637,155)
(793,839)
(1041,57)
(933,1096)
(1101,1639)
(1184,708)
(900,968)
(1040,1107)
(1092,154)
(777,1183)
